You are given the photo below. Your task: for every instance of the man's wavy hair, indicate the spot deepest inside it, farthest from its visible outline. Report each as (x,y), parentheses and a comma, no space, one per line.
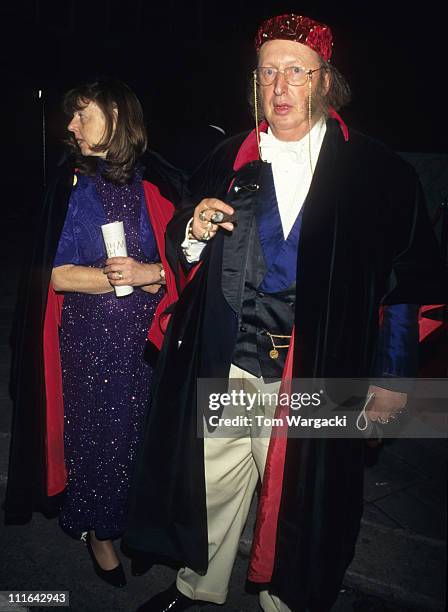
(337,96)
(124,137)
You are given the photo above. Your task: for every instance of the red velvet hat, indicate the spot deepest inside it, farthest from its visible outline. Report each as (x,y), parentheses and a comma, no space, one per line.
(297,28)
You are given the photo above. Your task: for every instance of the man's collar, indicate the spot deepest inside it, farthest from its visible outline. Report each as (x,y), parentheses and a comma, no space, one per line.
(248,151)
(317,127)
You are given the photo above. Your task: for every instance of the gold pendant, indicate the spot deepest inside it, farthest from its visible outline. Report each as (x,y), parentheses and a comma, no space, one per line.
(273,354)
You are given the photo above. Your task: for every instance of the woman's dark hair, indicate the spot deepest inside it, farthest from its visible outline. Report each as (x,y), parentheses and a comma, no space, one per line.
(124,138)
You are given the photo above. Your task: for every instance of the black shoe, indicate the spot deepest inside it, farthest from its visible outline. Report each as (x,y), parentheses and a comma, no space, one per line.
(114,577)
(140,564)
(171,600)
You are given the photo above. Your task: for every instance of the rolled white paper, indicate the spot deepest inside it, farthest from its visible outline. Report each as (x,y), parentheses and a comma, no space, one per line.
(115,241)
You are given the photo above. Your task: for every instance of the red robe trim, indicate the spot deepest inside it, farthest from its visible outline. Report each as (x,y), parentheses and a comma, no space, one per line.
(160,211)
(427,326)
(263,547)
(54,439)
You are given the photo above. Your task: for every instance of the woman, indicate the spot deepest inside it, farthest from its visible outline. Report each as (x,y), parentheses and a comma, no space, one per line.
(80,395)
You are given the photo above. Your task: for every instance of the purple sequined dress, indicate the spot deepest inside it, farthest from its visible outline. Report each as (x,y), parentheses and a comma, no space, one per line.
(105,376)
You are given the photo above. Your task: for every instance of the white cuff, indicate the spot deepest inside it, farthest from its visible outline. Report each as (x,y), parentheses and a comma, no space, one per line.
(191,247)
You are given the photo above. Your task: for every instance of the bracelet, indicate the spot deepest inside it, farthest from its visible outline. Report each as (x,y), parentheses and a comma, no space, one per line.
(161,271)
(190,235)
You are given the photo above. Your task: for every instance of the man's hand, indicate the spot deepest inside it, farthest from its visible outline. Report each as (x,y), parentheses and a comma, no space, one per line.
(385,405)
(202,228)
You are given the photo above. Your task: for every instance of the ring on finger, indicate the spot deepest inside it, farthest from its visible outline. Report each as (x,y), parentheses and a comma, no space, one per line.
(206,235)
(120,275)
(209,226)
(202,216)
(383,421)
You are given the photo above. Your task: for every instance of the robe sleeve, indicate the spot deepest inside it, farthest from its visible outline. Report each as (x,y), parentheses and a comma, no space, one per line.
(418,276)
(212,179)
(398,346)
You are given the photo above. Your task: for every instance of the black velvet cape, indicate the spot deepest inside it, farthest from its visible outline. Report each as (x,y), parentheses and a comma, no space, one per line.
(365,240)
(27,474)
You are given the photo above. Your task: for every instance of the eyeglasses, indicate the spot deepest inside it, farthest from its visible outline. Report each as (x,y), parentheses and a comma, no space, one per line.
(294,75)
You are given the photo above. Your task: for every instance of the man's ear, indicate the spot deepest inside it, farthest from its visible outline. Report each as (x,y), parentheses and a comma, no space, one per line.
(326,82)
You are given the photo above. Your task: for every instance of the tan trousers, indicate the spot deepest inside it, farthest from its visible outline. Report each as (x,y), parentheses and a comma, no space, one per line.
(271,603)
(232,468)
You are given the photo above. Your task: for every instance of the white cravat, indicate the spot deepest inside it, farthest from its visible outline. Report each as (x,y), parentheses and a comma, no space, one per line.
(291,169)
(292,178)
(285,151)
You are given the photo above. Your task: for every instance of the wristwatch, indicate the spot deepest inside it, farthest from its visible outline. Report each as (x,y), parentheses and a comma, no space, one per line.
(162,272)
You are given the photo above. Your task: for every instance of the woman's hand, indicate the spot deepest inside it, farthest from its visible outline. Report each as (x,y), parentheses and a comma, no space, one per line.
(202,228)
(127,271)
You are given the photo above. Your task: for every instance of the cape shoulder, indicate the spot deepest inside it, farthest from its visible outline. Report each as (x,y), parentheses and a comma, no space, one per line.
(375,155)
(213,176)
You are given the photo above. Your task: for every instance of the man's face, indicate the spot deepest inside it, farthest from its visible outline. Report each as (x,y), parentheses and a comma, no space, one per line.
(285,106)
(88,125)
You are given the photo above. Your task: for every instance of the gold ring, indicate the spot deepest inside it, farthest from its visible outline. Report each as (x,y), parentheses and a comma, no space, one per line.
(209,226)
(120,275)
(383,421)
(202,216)
(206,235)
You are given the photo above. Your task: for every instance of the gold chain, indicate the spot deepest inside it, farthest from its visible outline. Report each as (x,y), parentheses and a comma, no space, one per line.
(273,353)
(310,76)
(256,114)
(310,112)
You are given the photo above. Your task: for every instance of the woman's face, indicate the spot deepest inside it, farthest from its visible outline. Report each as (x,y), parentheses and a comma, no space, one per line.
(88,125)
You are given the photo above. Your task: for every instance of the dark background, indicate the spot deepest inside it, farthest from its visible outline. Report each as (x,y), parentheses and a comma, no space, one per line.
(189,62)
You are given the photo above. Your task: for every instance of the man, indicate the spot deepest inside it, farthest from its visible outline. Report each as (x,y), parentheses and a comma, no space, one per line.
(319,228)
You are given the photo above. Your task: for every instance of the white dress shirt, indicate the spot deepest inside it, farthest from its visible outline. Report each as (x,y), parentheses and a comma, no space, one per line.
(292,178)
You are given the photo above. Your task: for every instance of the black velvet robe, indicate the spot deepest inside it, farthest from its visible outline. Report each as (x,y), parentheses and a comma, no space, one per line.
(27,473)
(365,240)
